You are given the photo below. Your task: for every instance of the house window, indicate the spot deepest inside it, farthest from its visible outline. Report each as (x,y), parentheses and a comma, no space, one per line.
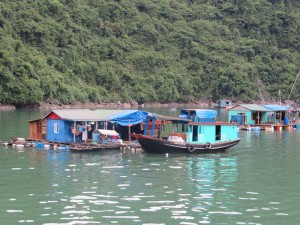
(56,128)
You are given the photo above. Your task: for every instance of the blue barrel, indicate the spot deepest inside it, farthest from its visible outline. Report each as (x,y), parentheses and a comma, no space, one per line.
(96,137)
(286,120)
(40,145)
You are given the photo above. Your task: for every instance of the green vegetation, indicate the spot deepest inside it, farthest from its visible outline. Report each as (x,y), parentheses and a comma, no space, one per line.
(147,50)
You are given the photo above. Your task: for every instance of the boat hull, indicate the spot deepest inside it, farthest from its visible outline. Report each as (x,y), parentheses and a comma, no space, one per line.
(153,145)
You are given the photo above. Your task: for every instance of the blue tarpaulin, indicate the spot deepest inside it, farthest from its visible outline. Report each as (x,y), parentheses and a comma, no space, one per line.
(128,117)
(206,114)
(276,107)
(199,115)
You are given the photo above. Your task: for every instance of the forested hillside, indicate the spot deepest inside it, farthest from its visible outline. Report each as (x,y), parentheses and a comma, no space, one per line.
(147,50)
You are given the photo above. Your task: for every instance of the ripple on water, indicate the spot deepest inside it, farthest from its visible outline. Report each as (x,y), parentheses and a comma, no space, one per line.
(226,212)
(153,224)
(14,211)
(83,197)
(75,212)
(103,202)
(74,222)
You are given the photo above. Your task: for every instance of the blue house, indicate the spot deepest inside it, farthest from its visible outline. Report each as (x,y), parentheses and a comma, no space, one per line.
(70,125)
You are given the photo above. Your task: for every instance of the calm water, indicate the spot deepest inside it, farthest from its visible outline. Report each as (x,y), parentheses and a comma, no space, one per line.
(255,182)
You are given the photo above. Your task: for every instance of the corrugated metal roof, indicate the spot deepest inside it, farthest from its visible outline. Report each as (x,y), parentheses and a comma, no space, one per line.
(77,115)
(251,107)
(277,107)
(108,112)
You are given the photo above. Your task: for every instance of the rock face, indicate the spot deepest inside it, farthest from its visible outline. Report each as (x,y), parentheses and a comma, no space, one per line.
(112,105)
(7,107)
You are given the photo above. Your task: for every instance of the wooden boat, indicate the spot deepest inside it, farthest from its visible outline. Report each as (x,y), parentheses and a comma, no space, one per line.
(153,145)
(111,146)
(198,132)
(95,147)
(86,148)
(136,136)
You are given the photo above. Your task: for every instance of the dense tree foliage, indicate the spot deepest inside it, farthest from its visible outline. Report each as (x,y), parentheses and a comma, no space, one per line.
(147,50)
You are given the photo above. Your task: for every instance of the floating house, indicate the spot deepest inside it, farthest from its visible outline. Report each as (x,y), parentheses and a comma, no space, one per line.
(224,103)
(80,125)
(249,114)
(279,115)
(65,125)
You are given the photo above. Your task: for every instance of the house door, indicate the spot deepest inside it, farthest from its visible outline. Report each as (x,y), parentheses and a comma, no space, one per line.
(38,134)
(218,132)
(195,133)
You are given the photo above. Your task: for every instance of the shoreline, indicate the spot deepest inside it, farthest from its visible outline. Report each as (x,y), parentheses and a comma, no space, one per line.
(119,105)
(112,105)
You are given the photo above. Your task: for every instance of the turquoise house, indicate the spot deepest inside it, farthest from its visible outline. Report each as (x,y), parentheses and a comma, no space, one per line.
(249,114)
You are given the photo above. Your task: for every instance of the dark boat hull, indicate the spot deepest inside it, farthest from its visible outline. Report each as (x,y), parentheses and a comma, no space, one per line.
(153,145)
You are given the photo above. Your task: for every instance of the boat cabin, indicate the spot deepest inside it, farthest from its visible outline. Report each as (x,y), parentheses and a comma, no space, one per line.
(203,127)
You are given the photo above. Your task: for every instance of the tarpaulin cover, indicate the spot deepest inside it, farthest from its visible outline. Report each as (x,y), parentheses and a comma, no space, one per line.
(198,113)
(276,107)
(206,114)
(128,117)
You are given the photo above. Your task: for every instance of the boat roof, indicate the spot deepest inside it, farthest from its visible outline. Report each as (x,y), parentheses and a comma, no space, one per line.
(199,113)
(191,109)
(171,118)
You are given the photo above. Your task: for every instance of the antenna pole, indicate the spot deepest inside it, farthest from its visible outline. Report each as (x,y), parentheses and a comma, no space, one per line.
(279,93)
(293,85)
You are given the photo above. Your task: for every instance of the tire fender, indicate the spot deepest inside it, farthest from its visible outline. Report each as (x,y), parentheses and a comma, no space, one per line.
(191,148)
(208,145)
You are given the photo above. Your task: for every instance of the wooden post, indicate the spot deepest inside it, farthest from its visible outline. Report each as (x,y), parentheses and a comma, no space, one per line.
(280,114)
(129,136)
(153,126)
(146,125)
(74,135)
